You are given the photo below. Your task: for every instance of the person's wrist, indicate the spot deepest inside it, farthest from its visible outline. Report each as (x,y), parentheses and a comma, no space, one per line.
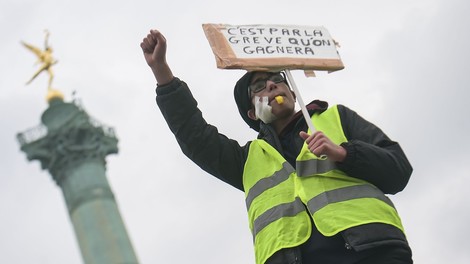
(162,73)
(342,153)
(164,81)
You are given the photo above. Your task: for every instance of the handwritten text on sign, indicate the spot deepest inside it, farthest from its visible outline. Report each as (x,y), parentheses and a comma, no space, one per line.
(281,41)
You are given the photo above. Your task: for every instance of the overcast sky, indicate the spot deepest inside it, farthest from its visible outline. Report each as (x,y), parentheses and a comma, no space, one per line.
(406,69)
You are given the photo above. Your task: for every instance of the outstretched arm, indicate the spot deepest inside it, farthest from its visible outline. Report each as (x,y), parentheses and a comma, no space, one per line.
(154,48)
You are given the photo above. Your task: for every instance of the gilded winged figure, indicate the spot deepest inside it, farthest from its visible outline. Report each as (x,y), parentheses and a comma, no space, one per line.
(45,58)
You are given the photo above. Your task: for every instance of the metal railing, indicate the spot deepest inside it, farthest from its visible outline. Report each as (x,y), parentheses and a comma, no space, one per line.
(32,134)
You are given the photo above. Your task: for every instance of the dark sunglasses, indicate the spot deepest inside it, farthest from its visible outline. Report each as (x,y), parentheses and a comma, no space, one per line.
(260,84)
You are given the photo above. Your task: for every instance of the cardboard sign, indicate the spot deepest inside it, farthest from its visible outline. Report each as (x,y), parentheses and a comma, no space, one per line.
(272,47)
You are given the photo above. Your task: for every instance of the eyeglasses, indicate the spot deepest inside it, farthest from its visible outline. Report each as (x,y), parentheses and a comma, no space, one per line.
(260,84)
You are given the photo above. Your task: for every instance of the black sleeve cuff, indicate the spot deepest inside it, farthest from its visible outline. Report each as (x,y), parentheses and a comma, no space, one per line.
(168,87)
(350,156)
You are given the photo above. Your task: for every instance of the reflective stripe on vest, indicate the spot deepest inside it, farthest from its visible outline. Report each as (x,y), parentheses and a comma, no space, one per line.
(276,213)
(314,166)
(268,182)
(345,194)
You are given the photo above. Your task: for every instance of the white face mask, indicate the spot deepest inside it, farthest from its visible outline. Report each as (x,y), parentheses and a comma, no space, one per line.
(263,110)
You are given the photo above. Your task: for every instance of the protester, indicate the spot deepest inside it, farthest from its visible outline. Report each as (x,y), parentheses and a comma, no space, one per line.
(302,208)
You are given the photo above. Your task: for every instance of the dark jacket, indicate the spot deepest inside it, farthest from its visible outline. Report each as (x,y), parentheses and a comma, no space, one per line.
(371,155)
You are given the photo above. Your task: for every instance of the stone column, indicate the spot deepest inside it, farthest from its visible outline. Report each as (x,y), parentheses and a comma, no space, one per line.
(72,147)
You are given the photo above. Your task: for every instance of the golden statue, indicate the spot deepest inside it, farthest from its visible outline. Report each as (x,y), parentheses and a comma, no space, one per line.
(45,58)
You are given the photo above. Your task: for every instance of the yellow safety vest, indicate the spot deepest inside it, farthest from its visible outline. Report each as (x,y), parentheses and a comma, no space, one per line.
(281,200)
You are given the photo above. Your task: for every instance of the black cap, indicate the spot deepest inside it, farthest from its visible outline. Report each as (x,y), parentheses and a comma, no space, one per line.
(243,100)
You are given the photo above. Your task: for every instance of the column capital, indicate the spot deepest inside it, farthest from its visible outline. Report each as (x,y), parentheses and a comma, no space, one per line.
(67,137)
